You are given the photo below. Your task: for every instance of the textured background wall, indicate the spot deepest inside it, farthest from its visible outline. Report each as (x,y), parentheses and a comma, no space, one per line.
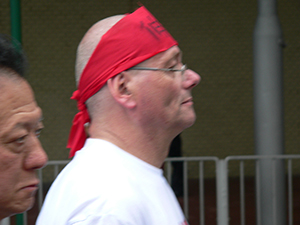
(216,38)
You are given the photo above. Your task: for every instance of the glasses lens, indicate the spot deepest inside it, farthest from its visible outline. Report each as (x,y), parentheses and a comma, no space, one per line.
(183,69)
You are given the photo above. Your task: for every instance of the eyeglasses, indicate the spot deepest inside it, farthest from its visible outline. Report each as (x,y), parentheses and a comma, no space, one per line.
(182,70)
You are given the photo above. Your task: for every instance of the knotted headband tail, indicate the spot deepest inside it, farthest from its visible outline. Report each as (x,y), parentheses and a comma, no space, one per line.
(77,135)
(136,37)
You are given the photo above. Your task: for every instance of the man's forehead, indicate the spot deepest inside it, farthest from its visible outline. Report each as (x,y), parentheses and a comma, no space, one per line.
(16,98)
(174,52)
(20,121)
(32,119)
(165,56)
(15,90)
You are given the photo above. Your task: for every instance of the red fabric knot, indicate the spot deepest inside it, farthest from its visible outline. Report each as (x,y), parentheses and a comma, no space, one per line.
(76,96)
(77,134)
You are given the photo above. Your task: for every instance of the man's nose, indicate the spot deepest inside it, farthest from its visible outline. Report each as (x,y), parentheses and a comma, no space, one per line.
(37,157)
(191,79)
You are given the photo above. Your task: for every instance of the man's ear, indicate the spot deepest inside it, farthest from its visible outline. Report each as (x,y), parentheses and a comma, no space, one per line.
(119,87)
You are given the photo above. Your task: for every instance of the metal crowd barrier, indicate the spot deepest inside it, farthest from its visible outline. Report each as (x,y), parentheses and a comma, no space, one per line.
(185,161)
(56,164)
(223,192)
(221,178)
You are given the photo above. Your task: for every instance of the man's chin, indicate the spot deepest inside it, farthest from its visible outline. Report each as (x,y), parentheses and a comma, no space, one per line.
(190,120)
(24,205)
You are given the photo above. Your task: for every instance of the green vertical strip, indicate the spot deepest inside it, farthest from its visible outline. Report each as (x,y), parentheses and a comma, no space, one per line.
(16,33)
(19,219)
(15,20)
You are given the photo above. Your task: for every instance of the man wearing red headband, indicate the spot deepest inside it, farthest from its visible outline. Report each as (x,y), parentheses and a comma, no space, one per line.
(135,94)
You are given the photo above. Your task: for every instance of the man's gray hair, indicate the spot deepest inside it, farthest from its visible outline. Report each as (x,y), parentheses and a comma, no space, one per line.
(90,41)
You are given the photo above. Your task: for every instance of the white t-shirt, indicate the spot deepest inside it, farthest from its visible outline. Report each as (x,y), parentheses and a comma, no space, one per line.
(104,185)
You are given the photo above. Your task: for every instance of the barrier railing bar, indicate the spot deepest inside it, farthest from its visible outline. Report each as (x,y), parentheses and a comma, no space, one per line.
(5,221)
(257,187)
(40,191)
(274,191)
(25,218)
(169,171)
(57,162)
(55,170)
(185,190)
(249,157)
(191,159)
(290,188)
(242,192)
(222,193)
(201,195)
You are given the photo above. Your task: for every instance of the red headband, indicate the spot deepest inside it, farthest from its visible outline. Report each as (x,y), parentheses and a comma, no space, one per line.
(132,40)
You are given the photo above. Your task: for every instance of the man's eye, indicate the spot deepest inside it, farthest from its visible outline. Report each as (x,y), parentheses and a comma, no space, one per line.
(38,132)
(172,67)
(176,66)
(20,140)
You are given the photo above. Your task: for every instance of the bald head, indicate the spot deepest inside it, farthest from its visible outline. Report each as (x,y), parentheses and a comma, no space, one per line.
(90,41)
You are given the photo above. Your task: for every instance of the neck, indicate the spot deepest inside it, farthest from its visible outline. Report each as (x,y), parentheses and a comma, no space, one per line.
(152,149)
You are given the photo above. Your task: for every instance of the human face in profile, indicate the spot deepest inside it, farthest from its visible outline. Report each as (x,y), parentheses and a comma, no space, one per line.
(165,96)
(21,153)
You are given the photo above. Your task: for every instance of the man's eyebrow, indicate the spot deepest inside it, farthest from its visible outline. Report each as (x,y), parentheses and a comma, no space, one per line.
(21,124)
